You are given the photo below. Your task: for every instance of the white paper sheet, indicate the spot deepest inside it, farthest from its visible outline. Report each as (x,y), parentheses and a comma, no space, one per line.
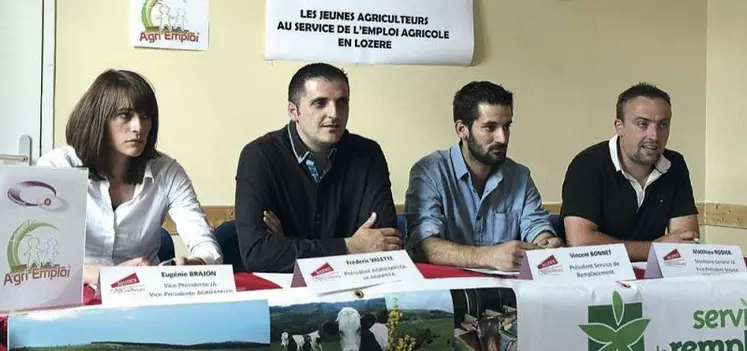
(282,279)
(491,271)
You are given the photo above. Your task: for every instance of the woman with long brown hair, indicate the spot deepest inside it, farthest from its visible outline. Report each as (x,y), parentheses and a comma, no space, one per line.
(112,132)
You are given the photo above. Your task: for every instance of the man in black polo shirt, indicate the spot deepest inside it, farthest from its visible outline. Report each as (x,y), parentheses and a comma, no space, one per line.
(630,189)
(312,188)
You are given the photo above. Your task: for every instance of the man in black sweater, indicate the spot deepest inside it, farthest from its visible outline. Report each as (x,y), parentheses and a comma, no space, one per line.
(631,189)
(312,188)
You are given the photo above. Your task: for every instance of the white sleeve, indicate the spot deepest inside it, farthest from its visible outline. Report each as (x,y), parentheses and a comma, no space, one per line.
(45,161)
(190,220)
(56,158)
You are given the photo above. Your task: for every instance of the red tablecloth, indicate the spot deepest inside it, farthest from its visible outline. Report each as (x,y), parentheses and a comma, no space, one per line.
(248,281)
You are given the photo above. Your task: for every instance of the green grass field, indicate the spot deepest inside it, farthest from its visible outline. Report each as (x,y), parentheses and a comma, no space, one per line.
(442,329)
(113,346)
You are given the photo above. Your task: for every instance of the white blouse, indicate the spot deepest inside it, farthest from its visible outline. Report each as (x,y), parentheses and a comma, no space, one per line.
(133,229)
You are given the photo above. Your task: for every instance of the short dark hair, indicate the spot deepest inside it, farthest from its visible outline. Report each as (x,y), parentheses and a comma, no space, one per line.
(475,93)
(87,129)
(639,90)
(297,86)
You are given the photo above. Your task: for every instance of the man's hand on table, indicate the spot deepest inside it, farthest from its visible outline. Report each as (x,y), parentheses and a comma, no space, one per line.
(548,241)
(508,256)
(686,237)
(369,239)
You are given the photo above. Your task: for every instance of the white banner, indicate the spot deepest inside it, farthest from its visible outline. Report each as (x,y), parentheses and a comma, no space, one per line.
(436,314)
(42,233)
(674,314)
(169,24)
(370,31)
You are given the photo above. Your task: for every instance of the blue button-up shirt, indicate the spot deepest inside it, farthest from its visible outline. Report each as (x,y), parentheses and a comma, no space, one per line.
(441,201)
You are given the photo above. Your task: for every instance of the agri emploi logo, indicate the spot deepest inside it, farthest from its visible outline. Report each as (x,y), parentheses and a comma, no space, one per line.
(33,193)
(616,327)
(32,248)
(165,20)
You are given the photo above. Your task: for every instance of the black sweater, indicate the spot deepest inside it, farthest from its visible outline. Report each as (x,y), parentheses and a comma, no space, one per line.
(315,217)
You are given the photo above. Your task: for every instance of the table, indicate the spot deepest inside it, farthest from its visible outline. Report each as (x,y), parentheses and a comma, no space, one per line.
(249,282)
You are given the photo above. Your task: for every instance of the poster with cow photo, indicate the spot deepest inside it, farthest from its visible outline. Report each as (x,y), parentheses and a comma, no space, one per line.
(422,320)
(485,319)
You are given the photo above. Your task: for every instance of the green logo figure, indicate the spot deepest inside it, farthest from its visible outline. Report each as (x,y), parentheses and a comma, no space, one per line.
(34,259)
(616,327)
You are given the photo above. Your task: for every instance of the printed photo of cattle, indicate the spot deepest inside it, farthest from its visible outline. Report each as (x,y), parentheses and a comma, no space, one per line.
(401,321)
(485,319)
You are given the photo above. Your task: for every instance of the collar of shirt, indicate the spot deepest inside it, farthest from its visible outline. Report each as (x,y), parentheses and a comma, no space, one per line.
(148,174)
(462,173)
(300,150)
(451,209)
(662,166)
(148,179)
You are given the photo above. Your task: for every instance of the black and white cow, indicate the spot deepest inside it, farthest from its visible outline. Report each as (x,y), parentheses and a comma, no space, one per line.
(301,342)
(284,339)
(358,333)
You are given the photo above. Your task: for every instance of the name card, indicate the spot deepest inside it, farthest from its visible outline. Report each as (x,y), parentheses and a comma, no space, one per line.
(677,260)
(345,272)
(600,262)
(157,284)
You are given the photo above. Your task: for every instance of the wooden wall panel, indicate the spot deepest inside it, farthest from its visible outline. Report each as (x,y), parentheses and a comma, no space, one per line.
(724,215)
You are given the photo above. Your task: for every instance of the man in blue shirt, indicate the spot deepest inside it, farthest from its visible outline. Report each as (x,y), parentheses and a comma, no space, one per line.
(470,205)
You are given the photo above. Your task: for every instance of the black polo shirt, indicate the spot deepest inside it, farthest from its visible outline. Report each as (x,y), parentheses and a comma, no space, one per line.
(595,190)
(316,216)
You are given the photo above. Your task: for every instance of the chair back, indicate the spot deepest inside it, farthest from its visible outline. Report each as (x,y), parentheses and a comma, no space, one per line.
(229,244)
(166,251)
(557,224)
(402,225)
